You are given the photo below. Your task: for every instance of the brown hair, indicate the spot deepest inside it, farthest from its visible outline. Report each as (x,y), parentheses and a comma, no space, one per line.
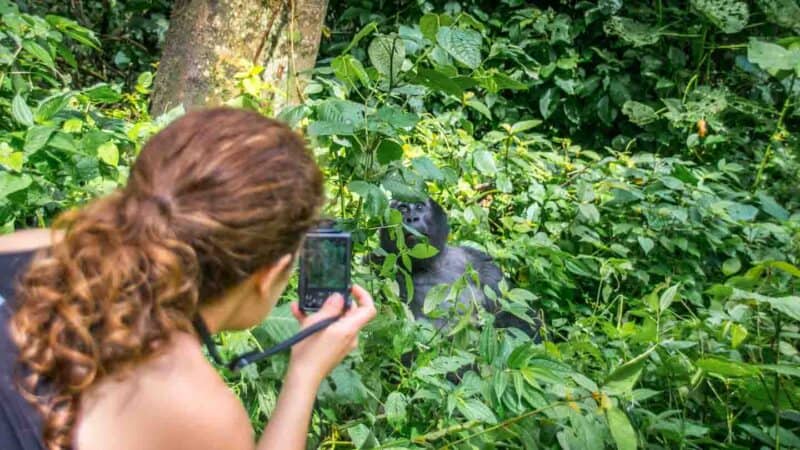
(212,198)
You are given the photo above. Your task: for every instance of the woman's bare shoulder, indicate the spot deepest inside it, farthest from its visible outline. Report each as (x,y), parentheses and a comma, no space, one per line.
(175,400)
(32,239)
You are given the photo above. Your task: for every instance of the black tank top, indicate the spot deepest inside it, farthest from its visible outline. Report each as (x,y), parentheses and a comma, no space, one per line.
(20,425)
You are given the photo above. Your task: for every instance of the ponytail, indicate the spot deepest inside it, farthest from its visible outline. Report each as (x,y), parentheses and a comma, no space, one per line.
(106,296)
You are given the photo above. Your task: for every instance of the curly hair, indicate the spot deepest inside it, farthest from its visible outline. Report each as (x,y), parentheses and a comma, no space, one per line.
(213,197)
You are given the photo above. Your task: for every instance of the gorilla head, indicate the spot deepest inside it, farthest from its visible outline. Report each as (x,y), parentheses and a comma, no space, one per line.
(427,218)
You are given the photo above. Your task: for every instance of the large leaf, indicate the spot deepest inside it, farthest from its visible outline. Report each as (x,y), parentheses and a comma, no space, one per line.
(785,13)
(38,52)
(730,16)
(20,111)
(350,70)
(280,324)
(639,113)
(726,368)
(463,45)
(51,106)
(624,377)
(474,409)
(395,408)
(772,57)
(631,31)
(12,183)
(484,162)
(438,82)
(386,53)
(621,429)
(37,137)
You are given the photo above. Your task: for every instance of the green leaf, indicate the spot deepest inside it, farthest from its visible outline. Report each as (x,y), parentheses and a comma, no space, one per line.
(480,107)
(787,305)
(463,45)
(435,297)
(772,57)
(631,31)
(364,32)
(621,429)
(38,52)
(349,70)
(639,113)
(474,409)
(646,243)
(10,184)
(624,377)
(438,82)
(740,211)
(484,161)
(21,112)
(667,297)
(547,102)
(423,251)
(589,212)
(389,151)
(524,125)
(726,368)
(738,335)
(11,159)
(427,169)
(37,137)
(731,266)
(429,25)
(771,207)
(386,53)
(402,191)
(784,13)
(102,93)
(327,128)
(783,369)
(280,324)
(51,106)
(395,408)
(361,436)
(375,200)
(730,16)
(108,153)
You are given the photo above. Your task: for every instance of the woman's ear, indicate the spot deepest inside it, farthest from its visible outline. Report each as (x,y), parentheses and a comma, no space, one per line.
(268,276)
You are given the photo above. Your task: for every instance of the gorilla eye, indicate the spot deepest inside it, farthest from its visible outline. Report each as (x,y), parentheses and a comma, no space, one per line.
(403,208)
(418,206)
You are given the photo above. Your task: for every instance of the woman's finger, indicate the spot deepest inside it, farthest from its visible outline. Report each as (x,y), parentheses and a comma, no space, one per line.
(359,316)
(297,313)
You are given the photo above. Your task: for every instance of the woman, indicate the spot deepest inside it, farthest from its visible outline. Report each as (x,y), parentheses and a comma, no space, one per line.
(209,224)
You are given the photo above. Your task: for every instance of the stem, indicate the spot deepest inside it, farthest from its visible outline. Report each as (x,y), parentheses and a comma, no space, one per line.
(778,128)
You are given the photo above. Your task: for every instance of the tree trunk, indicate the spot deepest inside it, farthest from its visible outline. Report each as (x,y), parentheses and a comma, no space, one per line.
(209,41)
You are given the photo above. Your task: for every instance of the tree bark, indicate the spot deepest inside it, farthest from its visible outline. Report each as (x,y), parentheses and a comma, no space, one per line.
(209,41)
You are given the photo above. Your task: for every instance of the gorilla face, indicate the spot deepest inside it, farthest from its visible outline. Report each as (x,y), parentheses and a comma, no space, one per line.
(427,218)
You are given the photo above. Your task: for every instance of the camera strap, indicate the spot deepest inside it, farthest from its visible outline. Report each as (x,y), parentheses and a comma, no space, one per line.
(245,359)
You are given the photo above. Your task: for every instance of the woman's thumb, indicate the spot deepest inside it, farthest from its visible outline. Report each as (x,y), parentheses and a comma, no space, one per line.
(332,306)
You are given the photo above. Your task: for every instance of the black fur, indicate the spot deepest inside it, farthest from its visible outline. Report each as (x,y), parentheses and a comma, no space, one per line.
(447,266)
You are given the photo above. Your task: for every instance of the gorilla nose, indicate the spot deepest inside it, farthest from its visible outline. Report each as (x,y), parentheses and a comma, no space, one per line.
(411,219)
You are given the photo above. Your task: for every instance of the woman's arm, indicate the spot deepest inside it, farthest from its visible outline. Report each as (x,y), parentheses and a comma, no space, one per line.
(311,361)
(24,240)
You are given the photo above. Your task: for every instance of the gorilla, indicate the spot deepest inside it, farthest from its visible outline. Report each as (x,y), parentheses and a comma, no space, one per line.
(429,220)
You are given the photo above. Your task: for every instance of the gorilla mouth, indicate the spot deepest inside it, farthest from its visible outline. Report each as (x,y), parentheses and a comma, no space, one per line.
(410,237)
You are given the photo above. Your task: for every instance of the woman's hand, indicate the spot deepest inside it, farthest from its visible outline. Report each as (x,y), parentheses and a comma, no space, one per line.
(315,357)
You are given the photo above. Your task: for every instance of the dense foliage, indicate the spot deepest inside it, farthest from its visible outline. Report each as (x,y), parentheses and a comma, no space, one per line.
(632,166)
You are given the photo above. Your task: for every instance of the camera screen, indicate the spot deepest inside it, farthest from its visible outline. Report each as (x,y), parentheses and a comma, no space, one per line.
(325,262)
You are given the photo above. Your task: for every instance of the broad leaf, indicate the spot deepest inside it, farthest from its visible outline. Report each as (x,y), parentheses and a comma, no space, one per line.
(730,16)
(624,377)
(463,45)
(621,429)
(386,53)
